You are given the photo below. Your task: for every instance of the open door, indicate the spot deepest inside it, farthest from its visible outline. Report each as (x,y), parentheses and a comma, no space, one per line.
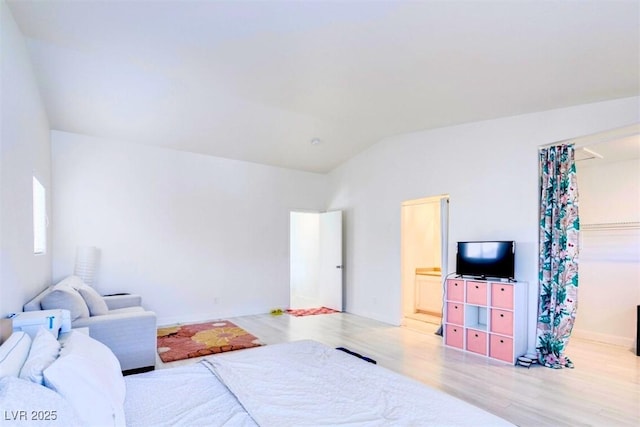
(316,260)
(331,260)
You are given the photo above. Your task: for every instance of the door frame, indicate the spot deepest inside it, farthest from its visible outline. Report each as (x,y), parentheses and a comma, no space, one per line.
(407,285)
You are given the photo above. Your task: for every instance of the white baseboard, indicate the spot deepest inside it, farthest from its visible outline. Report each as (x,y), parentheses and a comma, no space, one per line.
(195,318)
(605,338)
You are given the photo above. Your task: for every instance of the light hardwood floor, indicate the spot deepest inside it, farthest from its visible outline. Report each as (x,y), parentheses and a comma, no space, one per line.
(602,390)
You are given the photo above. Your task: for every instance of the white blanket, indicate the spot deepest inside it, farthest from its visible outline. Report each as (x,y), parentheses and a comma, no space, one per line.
(183,396)
(305,383)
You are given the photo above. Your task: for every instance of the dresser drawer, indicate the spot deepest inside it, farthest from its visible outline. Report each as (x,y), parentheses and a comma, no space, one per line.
(455,313)
(477,293)
(502,321)
(455,290)
(477,341)
(502,295)
(454,336)
(501,348)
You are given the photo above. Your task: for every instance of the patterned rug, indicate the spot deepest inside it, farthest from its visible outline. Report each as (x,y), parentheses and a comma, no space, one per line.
(186,341)
(311,311)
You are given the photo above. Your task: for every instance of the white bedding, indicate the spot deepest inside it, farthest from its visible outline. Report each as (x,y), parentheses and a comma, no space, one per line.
(294,384)
(183,396)
(307,383)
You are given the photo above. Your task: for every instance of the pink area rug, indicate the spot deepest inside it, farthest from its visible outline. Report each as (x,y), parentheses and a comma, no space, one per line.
(311,311)
(202,339)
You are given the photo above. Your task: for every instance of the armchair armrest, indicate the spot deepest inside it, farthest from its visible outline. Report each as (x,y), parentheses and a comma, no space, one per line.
(131,336)
(122,301)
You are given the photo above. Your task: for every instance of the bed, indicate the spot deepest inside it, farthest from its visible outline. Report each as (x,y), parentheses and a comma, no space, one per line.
(301,383)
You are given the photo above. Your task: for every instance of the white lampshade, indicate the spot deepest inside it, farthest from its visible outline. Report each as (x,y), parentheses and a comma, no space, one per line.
(86,262)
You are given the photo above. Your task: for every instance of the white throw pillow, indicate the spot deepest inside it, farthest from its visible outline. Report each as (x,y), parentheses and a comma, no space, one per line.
(74,282)
(27,404)
(95,303)
(67,298)
(44,350)
(88,375)
(13,354)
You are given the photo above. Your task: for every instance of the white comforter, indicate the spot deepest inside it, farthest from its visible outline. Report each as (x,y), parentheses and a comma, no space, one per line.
(305,383)
(183,396)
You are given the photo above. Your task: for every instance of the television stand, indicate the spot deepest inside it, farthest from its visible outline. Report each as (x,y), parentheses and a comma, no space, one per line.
(486,317)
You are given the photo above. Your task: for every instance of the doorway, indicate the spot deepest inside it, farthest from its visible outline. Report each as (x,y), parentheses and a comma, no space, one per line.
(315,251)
(424,248)
(608,172)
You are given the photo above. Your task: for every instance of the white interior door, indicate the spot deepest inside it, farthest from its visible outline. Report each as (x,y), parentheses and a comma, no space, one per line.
(330,284)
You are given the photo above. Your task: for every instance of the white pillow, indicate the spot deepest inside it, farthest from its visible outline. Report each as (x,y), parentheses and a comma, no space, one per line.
(74,282)
(95,303)
(83,345)
(88,375)
(13,353)
(67,298)
(43,407)
(44,350)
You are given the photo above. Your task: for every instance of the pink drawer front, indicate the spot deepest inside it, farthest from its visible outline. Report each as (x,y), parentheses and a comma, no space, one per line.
(455,313)
(501,348)
(502,321)
(454,336)
(477,293)
(502,295)
(455,290)
(477,341)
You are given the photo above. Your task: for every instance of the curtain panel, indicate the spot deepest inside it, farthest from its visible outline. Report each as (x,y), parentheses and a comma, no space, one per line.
(558,262)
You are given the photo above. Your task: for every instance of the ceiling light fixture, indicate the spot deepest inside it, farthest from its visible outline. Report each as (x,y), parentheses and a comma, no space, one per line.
(315,141)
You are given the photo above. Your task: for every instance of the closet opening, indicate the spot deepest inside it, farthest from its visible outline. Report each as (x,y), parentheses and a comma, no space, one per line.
(608,173)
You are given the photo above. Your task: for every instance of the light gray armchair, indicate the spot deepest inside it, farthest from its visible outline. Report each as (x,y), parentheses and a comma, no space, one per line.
(126,328)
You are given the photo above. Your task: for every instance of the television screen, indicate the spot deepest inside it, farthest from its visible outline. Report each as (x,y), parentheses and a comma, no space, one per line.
(486,259)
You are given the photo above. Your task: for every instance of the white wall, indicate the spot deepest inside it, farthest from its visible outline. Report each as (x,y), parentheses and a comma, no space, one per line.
(305,259)
(609,192)
(24,151)
(489,169)
(609,259)
(198,237)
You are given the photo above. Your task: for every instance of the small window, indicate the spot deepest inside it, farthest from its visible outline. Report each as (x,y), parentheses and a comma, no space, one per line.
(39,218)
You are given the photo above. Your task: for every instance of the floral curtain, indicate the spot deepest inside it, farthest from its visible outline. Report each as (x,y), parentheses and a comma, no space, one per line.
(559,228)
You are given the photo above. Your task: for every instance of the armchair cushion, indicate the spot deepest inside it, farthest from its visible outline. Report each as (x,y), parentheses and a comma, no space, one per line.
(74,282)
(95,303)
(66,298)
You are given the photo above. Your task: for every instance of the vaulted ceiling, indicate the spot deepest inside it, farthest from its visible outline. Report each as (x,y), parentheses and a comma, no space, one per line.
(259,80)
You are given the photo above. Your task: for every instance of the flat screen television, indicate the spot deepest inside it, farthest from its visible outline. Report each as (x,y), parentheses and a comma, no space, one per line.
(488,259)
